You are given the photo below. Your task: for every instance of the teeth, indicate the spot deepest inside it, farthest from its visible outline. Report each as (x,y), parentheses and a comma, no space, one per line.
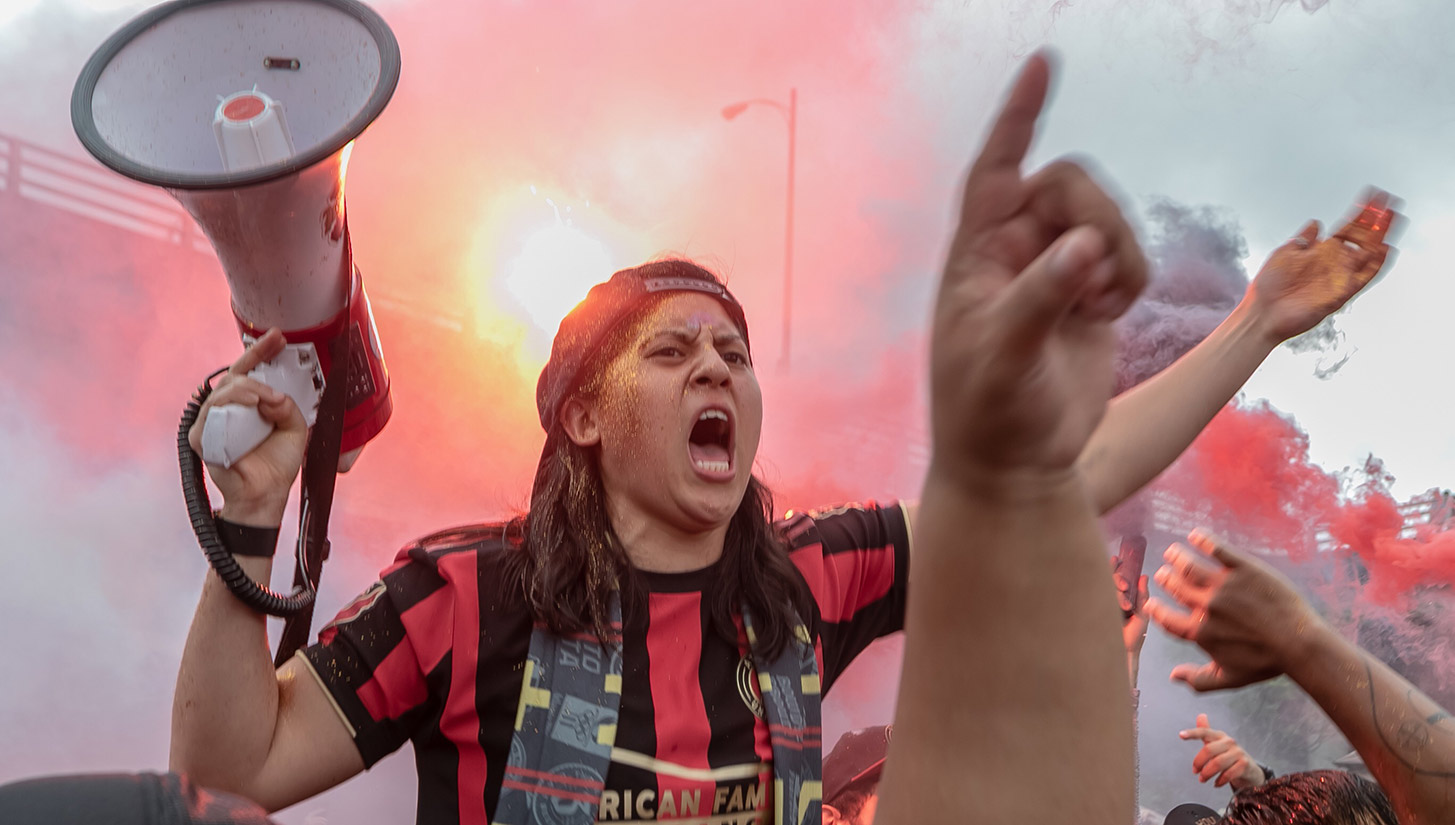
(707,414)
(713,466)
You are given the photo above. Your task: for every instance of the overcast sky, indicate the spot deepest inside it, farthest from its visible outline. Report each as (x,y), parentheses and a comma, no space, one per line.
(600,123)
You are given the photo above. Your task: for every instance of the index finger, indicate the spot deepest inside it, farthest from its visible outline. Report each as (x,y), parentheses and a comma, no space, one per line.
(263,349)
(1010,138)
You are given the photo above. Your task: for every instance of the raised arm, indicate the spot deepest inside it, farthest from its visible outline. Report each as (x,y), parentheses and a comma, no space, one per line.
(1406,739)
(1255,626)
(1011,639)
(1303,282)
(236,724)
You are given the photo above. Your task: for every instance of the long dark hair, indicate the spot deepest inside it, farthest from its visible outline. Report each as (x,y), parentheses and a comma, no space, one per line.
(571,559)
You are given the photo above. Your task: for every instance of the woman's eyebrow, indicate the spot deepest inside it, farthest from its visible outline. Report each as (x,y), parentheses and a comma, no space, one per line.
(654,337)
(731,336)
(679,333)
(684,335)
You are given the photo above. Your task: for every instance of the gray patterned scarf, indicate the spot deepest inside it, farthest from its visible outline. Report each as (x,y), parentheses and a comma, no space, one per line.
(565,727)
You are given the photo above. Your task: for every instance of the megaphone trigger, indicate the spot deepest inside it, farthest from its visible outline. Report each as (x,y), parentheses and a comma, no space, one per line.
(231,431)
(298,374)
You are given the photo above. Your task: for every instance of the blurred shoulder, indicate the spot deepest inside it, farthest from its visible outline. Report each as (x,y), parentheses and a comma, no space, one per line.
(854,525)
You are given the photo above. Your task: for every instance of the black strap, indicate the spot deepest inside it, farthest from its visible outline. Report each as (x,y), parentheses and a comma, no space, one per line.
(320,471)
(245,540)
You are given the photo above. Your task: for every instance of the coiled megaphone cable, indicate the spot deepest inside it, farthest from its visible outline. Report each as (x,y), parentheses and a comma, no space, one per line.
(199,510)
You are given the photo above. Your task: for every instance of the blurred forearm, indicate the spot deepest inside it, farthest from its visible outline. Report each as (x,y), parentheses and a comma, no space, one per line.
(1406,739)
(1011,643)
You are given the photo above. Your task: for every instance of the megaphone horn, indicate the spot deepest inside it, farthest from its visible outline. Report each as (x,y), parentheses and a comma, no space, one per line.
(246,112)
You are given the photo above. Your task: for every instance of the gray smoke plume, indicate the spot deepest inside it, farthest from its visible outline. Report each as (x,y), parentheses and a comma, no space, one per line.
(1196,256)
(1328,341)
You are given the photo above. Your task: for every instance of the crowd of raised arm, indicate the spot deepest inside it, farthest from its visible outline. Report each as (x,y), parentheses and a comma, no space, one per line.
(1021,366)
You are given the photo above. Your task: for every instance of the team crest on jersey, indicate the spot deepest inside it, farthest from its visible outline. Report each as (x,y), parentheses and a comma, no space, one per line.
(356,608)
(747,690)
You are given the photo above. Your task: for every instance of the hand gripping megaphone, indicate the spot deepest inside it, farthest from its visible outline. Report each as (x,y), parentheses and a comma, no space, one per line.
(245,111)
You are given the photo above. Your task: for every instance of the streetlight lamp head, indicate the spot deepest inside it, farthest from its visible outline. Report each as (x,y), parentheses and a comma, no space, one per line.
(730,112)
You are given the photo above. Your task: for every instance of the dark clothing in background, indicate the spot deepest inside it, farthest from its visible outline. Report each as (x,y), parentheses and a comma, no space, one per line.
(123,799)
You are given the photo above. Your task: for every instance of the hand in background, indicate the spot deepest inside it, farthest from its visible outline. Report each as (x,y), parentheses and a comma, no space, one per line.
(1221,756)
(1308,279)
(1242,612)
(1134,619)
(1255,626)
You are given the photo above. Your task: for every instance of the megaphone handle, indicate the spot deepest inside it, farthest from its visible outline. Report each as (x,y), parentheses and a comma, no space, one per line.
(231,431)
(199,512)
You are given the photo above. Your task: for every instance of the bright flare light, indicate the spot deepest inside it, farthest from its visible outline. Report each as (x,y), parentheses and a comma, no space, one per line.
(555,268)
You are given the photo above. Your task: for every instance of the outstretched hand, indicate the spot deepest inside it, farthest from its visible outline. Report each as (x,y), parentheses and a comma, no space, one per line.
(1022,348)
(1245,615)
(1307,279)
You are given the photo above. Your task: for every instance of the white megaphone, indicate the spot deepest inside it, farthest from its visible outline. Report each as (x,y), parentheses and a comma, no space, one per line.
(191,97)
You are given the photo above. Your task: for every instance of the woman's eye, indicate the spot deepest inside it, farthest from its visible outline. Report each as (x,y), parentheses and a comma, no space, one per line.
(670,352)
(736,358)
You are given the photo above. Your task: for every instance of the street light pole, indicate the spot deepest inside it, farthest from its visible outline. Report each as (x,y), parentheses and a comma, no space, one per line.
(788,231)
(790,114)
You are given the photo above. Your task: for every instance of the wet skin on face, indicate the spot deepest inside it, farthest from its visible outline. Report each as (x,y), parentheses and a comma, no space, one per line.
(676,417)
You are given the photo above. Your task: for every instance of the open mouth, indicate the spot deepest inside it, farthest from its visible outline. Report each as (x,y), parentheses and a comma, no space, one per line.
(710,444)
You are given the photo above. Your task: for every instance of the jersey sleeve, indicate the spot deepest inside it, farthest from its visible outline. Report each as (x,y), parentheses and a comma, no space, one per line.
(376,657)
(856,561)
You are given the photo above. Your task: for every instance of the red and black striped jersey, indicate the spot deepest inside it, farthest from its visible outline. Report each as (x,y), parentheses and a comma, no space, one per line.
(434,654)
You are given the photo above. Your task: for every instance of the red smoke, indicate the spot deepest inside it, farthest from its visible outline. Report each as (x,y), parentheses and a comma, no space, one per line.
(1251,465)
(1250,473)
(1399,566)
(613,111)
(615,114)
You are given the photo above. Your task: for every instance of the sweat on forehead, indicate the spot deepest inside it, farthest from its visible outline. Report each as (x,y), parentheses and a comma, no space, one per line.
(670,313)
(698,320)
(614,312)
(684,312)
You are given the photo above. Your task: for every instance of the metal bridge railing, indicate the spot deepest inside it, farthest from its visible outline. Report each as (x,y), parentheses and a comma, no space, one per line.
(35,173)
(83,187)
